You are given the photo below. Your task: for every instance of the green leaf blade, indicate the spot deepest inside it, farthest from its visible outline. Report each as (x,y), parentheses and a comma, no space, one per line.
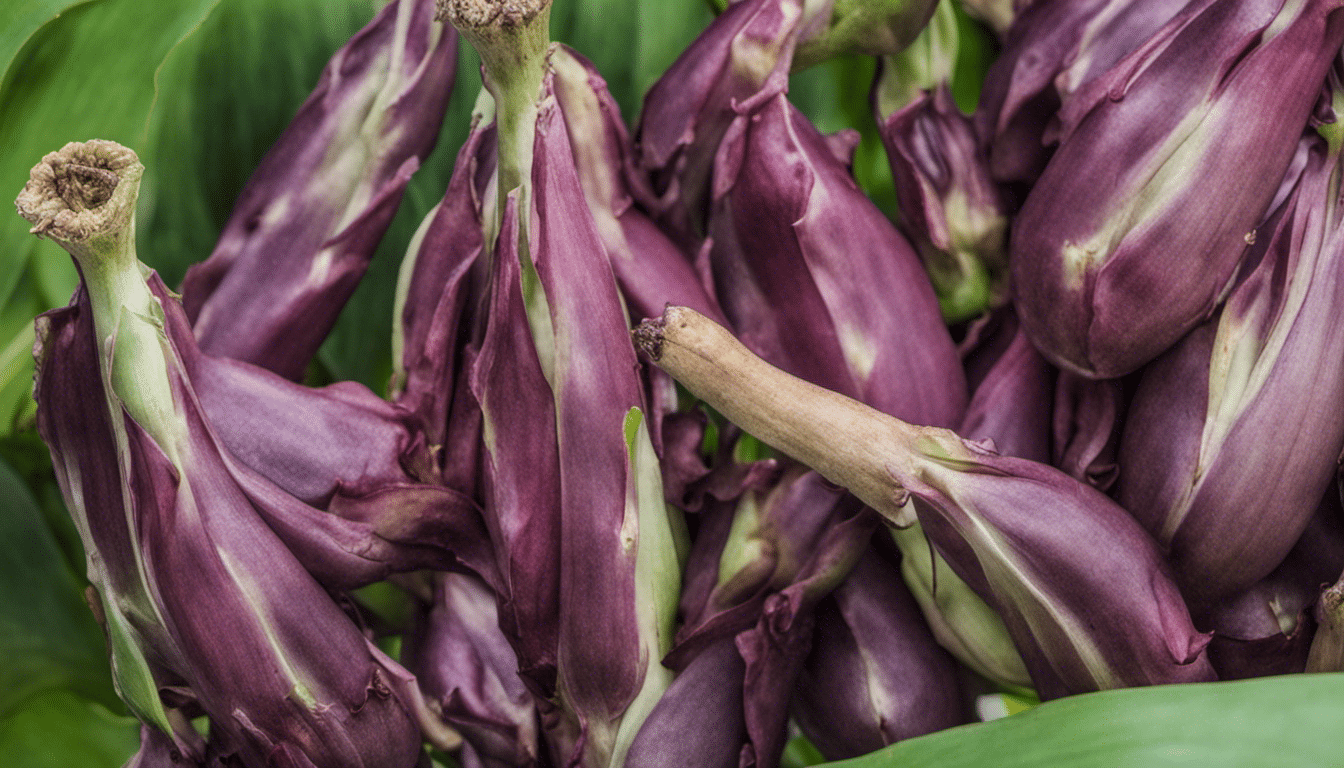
(1269,722)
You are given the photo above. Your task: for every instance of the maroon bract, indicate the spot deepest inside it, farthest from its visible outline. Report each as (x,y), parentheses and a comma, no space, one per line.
(1227,468)
(1021,534)
(818,281)
(205,607)
(952,208)
(1013,405)
(438,310)
(875,674)
(520,470)
(651,270)
(1052,49)
(1116,254)
(746,51)
(308,221)
(699,719)
(463,662)
(949,205)
(742,59)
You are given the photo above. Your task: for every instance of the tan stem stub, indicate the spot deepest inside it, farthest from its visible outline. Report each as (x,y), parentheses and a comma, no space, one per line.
(85,189)
(475,14)
(849,443)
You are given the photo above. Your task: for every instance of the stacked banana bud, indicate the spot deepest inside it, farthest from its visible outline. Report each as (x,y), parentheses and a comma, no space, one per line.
(1070,423)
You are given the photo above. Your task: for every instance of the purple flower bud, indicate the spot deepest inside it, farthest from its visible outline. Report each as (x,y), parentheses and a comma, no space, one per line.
(617,599)
(817,280)
(1234,435)
(298,451)
(520,470)
(573,491)
(774,650)
(309,219)
(651,270)
(949,205)
(699,721)
(464,663)
(439,281)
(875,674)
(1018,532)
(1051,50)
(742,57)
(205,607)
(774,533)
(1116,254)
(756,579)
(1082,622)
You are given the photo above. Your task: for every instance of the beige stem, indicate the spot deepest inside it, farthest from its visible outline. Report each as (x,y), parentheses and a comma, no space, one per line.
(849,443)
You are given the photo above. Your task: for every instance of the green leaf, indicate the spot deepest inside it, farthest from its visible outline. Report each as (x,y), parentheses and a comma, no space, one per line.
(666,28)
(19,19)
(29,458)
(602,31)
(1269,722)
(48,637)
(16,352)
(59,729)
(89,73)
(800,753)
(975,52)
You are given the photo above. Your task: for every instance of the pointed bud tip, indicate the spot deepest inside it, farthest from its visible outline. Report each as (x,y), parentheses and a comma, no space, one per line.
(78,192)
(475,14)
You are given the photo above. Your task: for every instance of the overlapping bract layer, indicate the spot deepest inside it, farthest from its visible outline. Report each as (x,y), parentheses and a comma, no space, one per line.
(206,609)
(1267,372)
(1133,233)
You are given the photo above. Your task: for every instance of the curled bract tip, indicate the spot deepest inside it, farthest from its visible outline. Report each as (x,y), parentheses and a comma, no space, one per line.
(85,189)
(475,14)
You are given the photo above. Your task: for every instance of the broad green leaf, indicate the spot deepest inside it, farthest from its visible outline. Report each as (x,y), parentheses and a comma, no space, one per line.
(89,73)
(28,457)
(60,730)
(976,50)
(800,753)
(19,19)
(16,351)
(602,31)
(48,637)
(665,29)
(630,42)
(1269,722)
